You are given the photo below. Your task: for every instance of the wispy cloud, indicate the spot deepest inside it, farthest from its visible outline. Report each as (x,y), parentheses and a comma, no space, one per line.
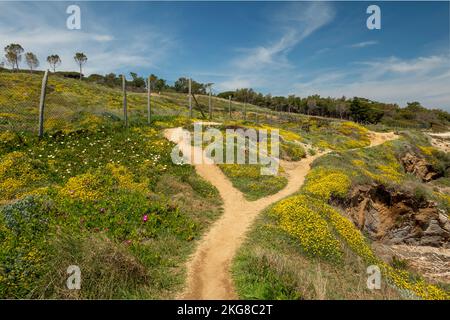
(268,65)
(108,49)
(363,44)
(296,21)
(424,79)
(321,51)
(417,65)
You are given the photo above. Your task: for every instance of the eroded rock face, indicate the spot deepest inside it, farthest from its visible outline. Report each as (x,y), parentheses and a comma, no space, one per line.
(419,167)
(396,217)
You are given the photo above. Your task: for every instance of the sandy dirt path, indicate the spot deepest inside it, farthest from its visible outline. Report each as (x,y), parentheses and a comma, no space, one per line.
(377,138)
(440,141)
(208,269)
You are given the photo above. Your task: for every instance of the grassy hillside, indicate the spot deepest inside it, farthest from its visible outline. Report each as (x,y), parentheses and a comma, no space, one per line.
(109,199)
(94,194)
(73,104)
(304,247)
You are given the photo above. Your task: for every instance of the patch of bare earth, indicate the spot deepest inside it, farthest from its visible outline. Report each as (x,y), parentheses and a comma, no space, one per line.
(440,141)
(377,138)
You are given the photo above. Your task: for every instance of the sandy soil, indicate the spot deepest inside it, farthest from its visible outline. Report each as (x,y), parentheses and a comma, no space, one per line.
(209,267)
(377,138)
(440,141)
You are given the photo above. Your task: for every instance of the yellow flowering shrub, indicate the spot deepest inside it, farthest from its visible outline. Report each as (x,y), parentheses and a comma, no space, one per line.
(390,172)
(443,198)
(349,128)
(352,236)
(354,144)
(92,186)
(386,172)
(92,122)
(86,186)
(9,116)
(342,227)
(298,219)
(358,163)
(125,178)
(285,135)
(53,124)
(402,279)
(7,137)
(241,171)
(427,150)
(16,173)
(38,191)
(325,182)
(322,144)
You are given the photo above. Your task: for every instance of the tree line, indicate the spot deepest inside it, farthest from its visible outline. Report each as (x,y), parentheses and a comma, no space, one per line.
(357,109)
(14,52)
(139,83)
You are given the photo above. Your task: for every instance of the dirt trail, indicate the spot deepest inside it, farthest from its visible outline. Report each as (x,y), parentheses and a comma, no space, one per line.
(377,138)
(440,141)
(209,267)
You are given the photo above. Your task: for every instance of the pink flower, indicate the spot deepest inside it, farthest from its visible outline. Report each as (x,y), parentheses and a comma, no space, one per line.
(145,218)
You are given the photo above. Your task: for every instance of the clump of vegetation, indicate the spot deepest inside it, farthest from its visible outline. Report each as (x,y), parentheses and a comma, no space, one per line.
(248,179)
(325,183)
(298,219)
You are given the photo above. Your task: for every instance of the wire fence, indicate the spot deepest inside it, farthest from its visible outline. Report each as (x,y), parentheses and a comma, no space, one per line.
(30,103)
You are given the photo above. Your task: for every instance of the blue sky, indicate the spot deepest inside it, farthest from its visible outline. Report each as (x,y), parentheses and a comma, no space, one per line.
(283,48)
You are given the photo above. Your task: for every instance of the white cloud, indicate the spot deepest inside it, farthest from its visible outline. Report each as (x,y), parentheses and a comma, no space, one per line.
(40,28)
(102,37)
(234,83)
(267,65)
(364,44)
(423,79)
(420,64)
(296,22)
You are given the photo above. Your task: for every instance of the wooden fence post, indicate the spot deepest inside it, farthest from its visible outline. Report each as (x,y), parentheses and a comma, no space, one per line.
(245,111)
(149,97)
(229,105)
(209,103)
(42,104)
(190,98)
(124,90)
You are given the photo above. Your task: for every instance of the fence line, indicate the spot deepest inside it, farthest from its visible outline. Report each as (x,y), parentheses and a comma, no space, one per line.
(124,90)
(59,104)
(42,104)
(149,97)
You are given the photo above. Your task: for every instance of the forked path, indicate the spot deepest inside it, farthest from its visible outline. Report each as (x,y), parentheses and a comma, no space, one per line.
(208,269)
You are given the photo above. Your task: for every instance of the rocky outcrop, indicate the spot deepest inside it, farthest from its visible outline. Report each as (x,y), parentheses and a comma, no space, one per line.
(419,167)
(397,217)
